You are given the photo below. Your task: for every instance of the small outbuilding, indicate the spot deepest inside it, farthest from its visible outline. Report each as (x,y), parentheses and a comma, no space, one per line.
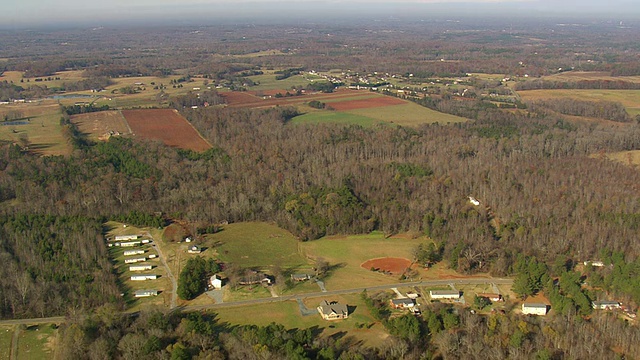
(535,309)
(195,249)
(216,282)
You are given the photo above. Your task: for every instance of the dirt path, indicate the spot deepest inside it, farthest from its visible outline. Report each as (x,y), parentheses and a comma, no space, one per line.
(14,343)
(174,283)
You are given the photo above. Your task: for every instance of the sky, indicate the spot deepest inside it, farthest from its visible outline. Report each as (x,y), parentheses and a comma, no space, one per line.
(25,13)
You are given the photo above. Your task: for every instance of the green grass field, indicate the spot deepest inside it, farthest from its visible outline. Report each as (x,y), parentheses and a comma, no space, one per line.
(65,76)
(39,125)
(409,114)
(630,99)
(258,245)
(268,81)
(288,314)
(6,334)
(323,117)
(347,253)
(36,342)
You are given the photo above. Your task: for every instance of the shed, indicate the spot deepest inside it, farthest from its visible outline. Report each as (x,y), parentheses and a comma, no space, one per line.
(216,282)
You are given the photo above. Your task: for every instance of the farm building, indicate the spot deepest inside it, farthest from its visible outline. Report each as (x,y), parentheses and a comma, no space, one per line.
(133,252)
(195,249)
(144,277)
(130,243)
(126,237)
(300,277)
(534,309)
(491,297)
(135,260)
(404,303)
(605,305)
(145,293)
(216,282)
(333,310)
(140,267)
(444,294)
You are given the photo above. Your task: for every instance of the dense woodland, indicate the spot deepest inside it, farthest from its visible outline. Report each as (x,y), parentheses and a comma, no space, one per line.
(549,199)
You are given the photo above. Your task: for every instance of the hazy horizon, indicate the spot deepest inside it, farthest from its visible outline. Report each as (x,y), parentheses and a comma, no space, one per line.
(70,13)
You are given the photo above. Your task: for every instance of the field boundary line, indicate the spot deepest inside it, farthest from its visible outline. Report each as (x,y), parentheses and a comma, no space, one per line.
(126,122)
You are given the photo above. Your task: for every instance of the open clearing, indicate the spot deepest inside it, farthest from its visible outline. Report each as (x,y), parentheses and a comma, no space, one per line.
(167,126)
(6,334)
(630,99)
(631,158)
(101,124)
(366,103)
(590,75)
(36,342)
(38,124)
(409,114)
(257,245)
(346,254)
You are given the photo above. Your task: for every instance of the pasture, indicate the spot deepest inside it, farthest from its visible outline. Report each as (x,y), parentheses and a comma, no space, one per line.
(70,76)
(267,81)
(326,117)
(101,125)
(257,245)
(630,99)
(589,75)
(36,125)
(408,114)
(36,342)
(167,126)
(6,335)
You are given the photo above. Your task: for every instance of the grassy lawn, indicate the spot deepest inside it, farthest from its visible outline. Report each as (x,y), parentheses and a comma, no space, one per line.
(345,254)
(409,114)
(256,244)
(36,342)
(6,334)
(322,117)
(630,99)
(288,314)
(631,158)
(39,125)
(245,293)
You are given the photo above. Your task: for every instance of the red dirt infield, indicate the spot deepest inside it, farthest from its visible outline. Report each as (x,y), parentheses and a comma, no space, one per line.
(390,264)
(167,126)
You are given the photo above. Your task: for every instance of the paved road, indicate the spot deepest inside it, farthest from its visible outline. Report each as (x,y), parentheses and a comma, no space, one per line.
(174,283)
(461,281)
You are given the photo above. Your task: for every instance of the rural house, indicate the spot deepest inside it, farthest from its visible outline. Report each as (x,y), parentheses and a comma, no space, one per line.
(444,294)
(140,267)
(133,252)
(126,237)
(333,310)
(255,277)
(534,308)
(605,305)
(195,249)
(300,277)
(491,297)
(404,303)
(144,277)
(135,260)
(216,282)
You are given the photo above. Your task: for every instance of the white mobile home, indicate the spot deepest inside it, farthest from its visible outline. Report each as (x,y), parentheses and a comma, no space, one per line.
(145,293)
(133,252)
(135,260)
(140,267)
(126,237)
(444,294)
(144,277)
(130,244)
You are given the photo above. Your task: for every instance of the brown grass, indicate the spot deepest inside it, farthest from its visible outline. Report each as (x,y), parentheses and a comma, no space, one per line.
(100,125)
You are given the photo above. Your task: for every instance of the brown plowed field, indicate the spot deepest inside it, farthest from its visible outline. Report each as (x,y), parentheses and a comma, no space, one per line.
(378,101)
(167,126)
(390,264)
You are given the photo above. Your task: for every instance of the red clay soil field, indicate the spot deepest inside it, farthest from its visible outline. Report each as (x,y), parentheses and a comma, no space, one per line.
(167,126)
(378,101)
(390,264)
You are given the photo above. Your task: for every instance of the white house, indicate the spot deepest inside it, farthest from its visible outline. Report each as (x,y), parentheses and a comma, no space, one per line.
(195,249)
(140,267)
(146,241)
(135,260)
(216,282)
(444,294)
(404,303)
(133,252)
(145,293)
(144,277)
(534,308)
